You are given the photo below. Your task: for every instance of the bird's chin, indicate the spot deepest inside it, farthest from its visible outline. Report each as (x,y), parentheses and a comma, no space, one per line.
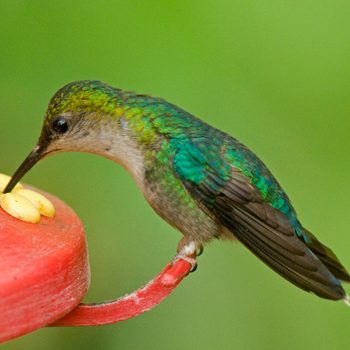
(50,153)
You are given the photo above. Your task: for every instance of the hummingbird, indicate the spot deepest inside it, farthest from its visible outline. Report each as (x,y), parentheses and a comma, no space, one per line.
(202,181)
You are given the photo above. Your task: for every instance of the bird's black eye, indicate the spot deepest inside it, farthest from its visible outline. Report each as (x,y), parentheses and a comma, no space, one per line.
(60,125)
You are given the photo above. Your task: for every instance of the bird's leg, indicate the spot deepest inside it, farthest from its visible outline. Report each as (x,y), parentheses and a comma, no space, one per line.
(188,250)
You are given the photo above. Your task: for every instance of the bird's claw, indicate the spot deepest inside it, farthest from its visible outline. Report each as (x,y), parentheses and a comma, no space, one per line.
(192,261)
(199,250)
(189,253)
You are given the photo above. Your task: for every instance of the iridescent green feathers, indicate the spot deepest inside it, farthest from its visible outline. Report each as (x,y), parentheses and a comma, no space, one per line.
(82,96)
(151,118)
(211,169)
(232,184)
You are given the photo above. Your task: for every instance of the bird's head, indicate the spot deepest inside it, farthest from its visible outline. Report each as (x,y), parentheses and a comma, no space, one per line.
(82,116)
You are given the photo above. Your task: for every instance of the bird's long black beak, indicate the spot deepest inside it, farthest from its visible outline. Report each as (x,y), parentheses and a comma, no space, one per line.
(35,155)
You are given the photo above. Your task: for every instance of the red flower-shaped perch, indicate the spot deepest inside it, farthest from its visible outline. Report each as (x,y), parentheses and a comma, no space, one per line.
(44,274)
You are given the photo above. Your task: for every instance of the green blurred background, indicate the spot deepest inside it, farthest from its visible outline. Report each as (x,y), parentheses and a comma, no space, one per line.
(275,74)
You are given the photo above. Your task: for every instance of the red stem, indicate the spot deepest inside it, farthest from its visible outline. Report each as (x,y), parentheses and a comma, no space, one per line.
(132,304)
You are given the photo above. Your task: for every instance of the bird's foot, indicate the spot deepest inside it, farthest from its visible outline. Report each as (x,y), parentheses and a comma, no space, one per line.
(188,250)
(191,259)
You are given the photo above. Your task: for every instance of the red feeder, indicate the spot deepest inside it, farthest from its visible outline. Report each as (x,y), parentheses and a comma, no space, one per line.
(44,274)
(44,270)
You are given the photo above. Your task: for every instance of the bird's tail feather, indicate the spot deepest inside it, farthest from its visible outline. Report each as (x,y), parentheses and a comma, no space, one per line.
(327,257)
(283,252)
